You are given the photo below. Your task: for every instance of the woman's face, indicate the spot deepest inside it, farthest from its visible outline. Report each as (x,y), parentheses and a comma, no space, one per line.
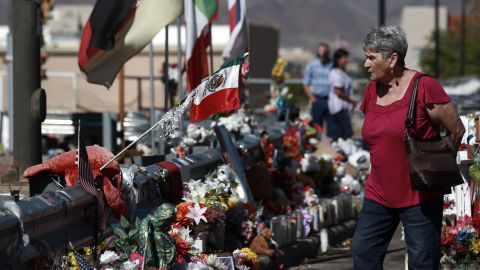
(376,65)
(342,62)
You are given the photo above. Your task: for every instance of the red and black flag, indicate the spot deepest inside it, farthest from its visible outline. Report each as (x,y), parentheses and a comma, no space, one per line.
(119,29)
(106,17)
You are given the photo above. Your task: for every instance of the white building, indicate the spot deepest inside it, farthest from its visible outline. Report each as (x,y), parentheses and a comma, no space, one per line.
(418,22)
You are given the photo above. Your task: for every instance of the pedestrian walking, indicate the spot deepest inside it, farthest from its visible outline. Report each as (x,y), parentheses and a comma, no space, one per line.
(340,102)
(316,84)
(389,196)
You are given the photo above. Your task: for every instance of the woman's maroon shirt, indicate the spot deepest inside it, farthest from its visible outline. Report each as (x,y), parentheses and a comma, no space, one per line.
(383,129)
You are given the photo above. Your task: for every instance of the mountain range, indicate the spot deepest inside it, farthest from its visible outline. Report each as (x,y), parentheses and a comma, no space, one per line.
(303,23)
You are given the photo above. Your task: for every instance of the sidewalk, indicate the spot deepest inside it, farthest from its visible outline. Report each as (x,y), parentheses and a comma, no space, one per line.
(394,260)
(9,178)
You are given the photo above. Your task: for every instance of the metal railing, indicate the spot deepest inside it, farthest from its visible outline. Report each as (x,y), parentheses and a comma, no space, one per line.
(74,76)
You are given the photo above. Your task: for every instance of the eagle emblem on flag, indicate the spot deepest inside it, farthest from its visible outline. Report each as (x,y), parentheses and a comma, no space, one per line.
(216,81)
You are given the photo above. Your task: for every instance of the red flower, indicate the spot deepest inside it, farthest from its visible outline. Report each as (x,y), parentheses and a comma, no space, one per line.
(464,222)
(447,239)
(182,248)
(137,259)
(446,205)
(476,224)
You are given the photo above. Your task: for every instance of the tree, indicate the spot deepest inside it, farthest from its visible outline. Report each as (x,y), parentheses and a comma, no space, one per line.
(450,51)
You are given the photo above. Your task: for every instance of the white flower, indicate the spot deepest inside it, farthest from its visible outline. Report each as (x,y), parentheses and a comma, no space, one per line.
(193,184)
(196,213)
(128,265)
(198,189)
(449,211)
(108,256)
(184,233)
(215,263)
(218,185)
(197,266)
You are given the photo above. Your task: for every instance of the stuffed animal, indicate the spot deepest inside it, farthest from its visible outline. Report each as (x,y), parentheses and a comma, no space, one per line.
(261,244)
(64,165)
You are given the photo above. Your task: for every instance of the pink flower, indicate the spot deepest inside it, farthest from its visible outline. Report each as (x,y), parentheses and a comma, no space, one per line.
(464,222)
(197,213)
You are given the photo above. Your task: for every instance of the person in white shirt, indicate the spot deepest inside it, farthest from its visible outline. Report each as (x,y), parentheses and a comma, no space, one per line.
(339,100)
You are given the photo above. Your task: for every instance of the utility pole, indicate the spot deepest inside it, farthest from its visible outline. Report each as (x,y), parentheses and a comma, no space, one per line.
(381,12)
(437,41)
(165,73)
(29,99)
(462,41)
(121,106)
(9,59)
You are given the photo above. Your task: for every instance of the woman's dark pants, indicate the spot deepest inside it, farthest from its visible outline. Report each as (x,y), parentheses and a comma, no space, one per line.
(376,225)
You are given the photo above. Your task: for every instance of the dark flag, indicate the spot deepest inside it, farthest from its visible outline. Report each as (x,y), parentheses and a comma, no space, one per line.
(105,20)
(117,30)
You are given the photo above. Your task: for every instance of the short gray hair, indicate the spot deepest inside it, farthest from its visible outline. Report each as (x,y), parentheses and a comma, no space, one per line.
(387,40)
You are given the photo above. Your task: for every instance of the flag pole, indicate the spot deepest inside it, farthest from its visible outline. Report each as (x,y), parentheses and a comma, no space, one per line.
(179,65)
(152,92)
(166,86)
(165,75)
(78,136)
(130,145)
(211,50)
(121,105)
(179,57)
(140,137)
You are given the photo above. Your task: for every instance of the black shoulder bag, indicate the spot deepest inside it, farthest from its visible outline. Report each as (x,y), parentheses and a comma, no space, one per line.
(432,163)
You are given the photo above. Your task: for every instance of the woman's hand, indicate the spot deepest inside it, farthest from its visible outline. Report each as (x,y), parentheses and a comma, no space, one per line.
(447,116)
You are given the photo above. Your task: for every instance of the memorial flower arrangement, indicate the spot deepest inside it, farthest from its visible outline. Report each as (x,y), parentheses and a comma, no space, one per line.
(238,123)
(278,71)
(155,241)
(291,143)
(206,262)
(207,205)
(174,229)
(279,92)
(461,242)
(245,259)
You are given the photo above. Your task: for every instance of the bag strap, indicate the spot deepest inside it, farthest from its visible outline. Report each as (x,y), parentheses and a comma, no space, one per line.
(411,108)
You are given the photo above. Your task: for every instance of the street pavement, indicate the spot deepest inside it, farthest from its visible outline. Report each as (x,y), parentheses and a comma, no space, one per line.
(394,260)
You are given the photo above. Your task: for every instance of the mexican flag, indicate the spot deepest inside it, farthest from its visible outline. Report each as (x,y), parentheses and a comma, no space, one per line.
(218,93)
(198,14)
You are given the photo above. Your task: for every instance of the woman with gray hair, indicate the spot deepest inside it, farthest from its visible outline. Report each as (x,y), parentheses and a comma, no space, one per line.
(389,197)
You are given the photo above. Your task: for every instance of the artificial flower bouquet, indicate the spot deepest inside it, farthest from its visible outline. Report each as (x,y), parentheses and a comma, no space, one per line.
(154,242)
(278,71)
(238,123)
(168,238)
(245,259)
(460,242)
